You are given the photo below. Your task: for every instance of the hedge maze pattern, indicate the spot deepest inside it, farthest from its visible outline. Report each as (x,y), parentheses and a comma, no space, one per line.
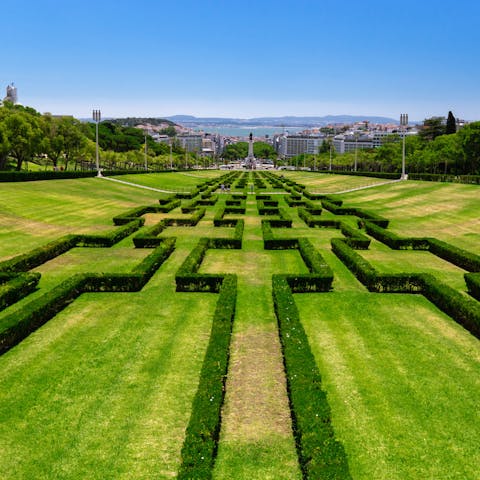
(320,454)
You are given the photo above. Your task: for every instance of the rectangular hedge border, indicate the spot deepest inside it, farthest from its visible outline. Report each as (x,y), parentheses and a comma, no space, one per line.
(457,256)
(320,454)
(18,325)
(353,237)
(39,255)
(461,308)
(111,238)
(201,440)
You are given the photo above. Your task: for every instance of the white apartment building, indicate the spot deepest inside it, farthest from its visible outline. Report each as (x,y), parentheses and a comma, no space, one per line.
(191,142)
(350,142)
(291,145)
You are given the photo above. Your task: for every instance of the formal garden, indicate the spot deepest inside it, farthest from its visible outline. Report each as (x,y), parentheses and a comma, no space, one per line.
(240,325)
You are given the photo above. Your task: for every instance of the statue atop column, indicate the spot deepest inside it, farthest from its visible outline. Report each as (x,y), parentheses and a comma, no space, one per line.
(250,160)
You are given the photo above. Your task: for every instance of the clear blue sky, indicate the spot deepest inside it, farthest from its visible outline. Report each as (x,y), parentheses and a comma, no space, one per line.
(243,58)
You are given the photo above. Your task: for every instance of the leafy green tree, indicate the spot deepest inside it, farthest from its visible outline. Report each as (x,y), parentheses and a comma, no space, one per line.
(432,128)
(24,136)
(263,150)
(451,126)
(469,137)
(4,146)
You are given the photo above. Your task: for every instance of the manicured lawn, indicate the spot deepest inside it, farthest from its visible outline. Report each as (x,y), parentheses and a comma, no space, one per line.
(327,183)
(403,384)
(104,390)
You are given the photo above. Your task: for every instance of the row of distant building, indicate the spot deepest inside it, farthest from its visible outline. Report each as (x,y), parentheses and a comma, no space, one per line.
(361,136)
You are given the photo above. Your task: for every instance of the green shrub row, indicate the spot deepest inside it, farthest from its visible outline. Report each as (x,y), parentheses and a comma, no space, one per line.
(359,212)
(293,200)
(40,255)
(354,237)
(457,256)
(18,325)
(17,287)
(375,282)
(394,241)
(432,177)
(271,243)
(149,237)
(235,242)
(473,284)
(167,200)
(320,454)
(320,277)
(284,220)
(266,210)
(188,280)
(139,211)
(464,310)
(187,195)
(111,238)
(201,440)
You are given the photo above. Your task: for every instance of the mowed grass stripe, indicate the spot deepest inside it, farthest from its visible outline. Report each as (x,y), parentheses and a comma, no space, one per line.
(104,390)
(256,440)
(403,382)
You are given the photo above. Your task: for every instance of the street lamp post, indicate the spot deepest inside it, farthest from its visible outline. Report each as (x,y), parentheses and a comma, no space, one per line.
(171,159)
(96,118)
(145,153)
(330,165)
(356,151)
(403,123)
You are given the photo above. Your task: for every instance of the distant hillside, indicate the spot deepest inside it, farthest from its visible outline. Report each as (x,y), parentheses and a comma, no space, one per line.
(289,121)
(134,121)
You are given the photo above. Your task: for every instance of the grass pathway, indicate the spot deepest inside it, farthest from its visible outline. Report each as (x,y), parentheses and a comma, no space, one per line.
(256,440)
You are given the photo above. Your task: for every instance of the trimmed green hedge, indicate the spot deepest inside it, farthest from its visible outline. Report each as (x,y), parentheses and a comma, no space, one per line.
(18,325)
(320,454)
(459,257)
(201,440)
(18,287)
(473,284)
(34,258)
(188,280)
(462,309)
(111,238)
(271,243)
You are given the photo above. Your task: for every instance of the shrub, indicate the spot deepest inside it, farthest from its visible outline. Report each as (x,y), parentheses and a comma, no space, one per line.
(202,434)
(111,238)
(18,325)
(320,454)
(473,284)
(461,258)
(17,287)
(36,257)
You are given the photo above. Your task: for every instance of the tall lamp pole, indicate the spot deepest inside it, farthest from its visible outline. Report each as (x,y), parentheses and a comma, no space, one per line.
(330,166)
(403,123)
(356,151)
(96,118)
(145,153)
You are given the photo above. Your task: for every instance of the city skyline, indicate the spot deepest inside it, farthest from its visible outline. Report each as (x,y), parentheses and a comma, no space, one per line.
(244,59)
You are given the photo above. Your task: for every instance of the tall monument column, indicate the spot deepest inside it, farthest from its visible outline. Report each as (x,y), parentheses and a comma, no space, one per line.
(250,160)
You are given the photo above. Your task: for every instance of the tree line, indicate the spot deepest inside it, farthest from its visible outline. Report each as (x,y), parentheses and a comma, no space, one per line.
(438,148)
(63,142)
